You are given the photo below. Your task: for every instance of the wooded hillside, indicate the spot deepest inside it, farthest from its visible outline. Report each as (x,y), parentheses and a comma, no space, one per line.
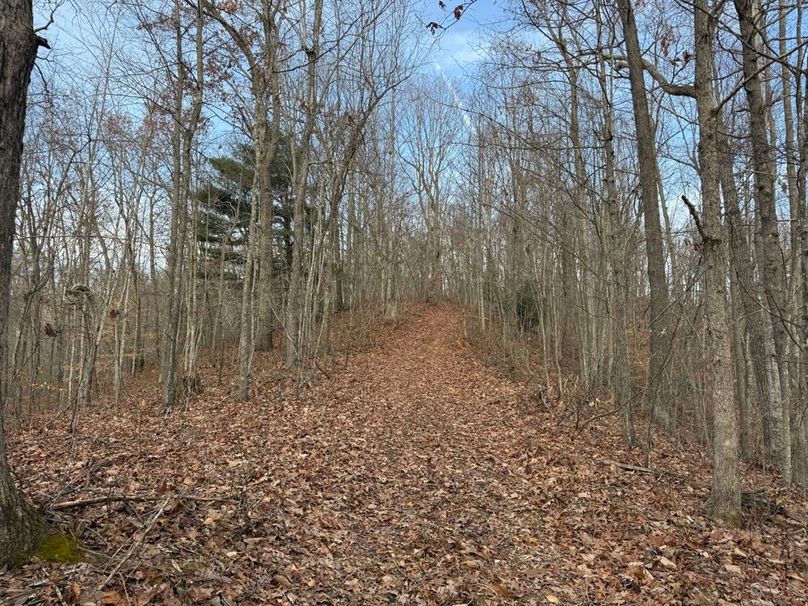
(314,301)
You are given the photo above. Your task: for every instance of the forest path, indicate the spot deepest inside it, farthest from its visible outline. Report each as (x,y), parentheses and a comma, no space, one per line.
(417,455)
(415,474)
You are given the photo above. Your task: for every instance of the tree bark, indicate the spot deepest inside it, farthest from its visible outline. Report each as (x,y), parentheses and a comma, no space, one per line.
(764,162)
(266,146)
(176,244)
(620,372)
(725,496)
(19,524)
(263,337)
(650,208)
(294,344)
(760,341)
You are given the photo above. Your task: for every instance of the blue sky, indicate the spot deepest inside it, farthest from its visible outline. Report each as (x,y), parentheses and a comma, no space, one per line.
(462,43)
(456,49)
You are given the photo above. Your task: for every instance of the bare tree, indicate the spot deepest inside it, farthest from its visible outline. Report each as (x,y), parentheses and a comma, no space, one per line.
(185,126)
(294,303)
(646,154)
(772,270)
(726,490)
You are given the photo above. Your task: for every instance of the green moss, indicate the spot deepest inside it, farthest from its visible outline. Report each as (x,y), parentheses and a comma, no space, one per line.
(60,548)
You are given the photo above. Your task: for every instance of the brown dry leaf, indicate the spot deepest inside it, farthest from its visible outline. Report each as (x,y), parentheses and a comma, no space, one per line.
(75,591)
(500,589)
(111,598)
(639,572)
(201,594)
(732,568)
(416,473)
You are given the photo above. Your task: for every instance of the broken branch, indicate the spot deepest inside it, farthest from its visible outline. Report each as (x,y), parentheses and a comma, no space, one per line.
(628,467)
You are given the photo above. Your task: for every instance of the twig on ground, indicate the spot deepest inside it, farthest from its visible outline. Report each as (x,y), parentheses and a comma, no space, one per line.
(320,368)
(86,470)
(137,542)
(132,499)
(593,418)
(628,467)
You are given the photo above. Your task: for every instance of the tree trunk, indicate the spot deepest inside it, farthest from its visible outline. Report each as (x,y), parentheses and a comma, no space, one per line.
(800,423)
(620,375)
(184,130)
(263,160)
(738,341)
(650,208)
(266,145)
(764,162)
(760,347)
(176,244)
(245,338)
(725,496)
(19,524)
(294,344)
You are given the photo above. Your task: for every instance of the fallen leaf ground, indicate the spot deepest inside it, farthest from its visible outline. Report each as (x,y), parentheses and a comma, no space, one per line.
(414,474)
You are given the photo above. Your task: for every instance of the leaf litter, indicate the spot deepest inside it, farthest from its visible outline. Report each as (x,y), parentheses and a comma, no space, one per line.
(413,474)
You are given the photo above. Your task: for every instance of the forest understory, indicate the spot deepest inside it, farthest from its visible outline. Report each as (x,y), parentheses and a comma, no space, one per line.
(409,473)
